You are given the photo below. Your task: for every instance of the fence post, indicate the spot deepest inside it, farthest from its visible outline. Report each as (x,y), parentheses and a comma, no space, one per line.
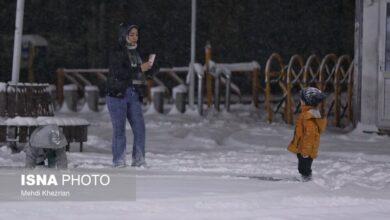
(337,87)
(149,85)
(217,96)
(288,112)
(227,94)
(255,86)
(268,75)
(268,96)
(295,59)
(322,80)
(337,91)
(209,79)
(309,72)
(350,92)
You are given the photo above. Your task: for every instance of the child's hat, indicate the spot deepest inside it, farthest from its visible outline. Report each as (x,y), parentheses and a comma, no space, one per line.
(312,96)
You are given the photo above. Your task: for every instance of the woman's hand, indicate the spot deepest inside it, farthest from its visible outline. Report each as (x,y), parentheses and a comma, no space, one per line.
(146,66)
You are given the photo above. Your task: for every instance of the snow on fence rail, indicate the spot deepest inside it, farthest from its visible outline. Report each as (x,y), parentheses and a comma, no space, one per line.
(18,129)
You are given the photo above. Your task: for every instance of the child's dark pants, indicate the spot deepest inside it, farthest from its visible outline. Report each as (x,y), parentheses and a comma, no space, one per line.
(304,165)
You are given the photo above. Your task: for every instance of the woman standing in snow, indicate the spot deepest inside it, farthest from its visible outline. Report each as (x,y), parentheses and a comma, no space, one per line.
(124,94)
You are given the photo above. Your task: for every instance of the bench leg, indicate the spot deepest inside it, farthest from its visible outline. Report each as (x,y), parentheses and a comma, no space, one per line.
(81,146)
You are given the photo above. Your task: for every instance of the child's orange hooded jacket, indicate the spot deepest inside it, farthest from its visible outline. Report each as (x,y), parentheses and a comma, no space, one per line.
(308,128)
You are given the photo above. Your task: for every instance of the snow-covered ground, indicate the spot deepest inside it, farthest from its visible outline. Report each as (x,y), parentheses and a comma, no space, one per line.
(226,166)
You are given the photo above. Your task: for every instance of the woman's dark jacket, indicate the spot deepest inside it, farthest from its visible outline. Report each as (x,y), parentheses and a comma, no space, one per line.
(124,71)
(125,67)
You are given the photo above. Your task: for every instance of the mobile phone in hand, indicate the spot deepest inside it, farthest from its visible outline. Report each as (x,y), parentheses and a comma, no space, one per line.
(151,58)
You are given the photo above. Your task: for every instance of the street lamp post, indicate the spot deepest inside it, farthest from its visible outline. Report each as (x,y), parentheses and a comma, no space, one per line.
(191,71)
(17,41)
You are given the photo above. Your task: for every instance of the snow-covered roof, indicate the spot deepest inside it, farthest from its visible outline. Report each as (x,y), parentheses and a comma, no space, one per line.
(35,40)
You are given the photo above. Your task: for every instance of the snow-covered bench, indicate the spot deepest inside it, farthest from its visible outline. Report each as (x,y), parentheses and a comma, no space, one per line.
(25,106)
(18,129)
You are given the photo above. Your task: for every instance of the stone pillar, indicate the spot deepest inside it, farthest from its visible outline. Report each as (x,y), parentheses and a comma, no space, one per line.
(92,97)
(179,95)
(158,98)
(70,93)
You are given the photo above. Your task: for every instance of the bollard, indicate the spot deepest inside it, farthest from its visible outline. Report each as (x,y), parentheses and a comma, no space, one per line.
(92,97)
(180,95)
(209,78)
(3,99)
(70,93)
(227,94)
(158,98)
(217,97)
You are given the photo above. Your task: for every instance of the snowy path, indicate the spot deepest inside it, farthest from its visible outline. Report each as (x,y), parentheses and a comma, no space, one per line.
(200,169)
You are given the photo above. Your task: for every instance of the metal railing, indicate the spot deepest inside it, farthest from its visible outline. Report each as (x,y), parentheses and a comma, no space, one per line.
(222,73)
(25,100)
(332,75)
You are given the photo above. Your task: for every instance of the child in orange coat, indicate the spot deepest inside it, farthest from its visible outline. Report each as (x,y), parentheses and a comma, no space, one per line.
(308,128)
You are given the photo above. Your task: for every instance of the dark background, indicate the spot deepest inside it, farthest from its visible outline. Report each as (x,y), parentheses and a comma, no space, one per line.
(81,33)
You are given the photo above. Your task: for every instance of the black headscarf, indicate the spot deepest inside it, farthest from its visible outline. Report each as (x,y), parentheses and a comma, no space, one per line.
(124,29)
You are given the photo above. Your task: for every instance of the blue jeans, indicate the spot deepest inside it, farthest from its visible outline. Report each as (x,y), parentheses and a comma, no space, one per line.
(121,109)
